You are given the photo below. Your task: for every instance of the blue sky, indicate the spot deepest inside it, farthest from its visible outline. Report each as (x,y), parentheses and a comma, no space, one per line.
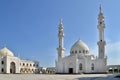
(29,28)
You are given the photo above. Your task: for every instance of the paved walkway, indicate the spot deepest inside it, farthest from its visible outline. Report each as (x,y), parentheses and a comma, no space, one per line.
(56,77)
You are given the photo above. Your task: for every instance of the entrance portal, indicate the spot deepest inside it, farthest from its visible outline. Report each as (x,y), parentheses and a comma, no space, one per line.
(12,67)
(70,70)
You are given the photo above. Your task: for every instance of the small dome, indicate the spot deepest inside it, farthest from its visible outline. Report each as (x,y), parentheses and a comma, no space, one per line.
(79,47)
(6,52)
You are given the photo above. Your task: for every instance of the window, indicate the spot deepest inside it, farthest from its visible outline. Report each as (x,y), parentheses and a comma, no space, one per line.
(75,51)
(100,22)
(2,70)
(79,51)
(80,66)
(72,51)
(27,64)
(92,66)
(30,64)
(37,65)
(2,62)
(33,64)
(21,69)
(23,64)
(83,51)
(87,51)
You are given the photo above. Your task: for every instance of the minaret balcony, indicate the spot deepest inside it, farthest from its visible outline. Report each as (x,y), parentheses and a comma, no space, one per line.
(61,49)
(101,42)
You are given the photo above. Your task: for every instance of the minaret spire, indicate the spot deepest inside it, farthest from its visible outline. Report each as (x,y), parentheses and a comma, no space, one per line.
(61,48)
(60,20)
(100,8)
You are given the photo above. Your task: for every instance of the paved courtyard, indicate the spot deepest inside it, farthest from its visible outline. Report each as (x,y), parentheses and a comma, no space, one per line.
(57,77)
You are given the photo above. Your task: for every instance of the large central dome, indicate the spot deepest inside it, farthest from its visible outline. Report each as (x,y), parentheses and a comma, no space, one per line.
(6,52)
(79,48)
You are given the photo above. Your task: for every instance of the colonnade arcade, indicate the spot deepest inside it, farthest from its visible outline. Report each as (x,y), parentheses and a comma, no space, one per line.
(114,69)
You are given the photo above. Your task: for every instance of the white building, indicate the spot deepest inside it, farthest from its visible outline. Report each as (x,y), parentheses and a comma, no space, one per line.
(11,64)
(80,60)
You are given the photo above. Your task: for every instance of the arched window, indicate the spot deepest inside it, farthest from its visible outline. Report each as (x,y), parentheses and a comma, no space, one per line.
(75,51)
(21,69)
(72,52)
(2,62)
(30,64)
(28,69)
(86,51)
(23,64)
(2,70)
(100,22)
(37,65)
(92,66)
(79,51)
(83,51)
(33,64)
(27,64)
(80,66)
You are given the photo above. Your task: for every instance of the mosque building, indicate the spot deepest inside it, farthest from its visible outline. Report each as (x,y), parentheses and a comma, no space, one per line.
(12,64)
(80,60)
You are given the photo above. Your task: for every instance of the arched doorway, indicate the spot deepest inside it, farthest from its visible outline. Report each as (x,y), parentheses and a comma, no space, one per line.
(12,67)
(70,70)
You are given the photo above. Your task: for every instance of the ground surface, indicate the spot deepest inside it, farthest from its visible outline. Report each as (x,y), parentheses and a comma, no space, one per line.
(57,77)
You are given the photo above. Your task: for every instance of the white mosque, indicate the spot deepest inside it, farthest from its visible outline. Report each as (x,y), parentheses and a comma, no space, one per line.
(80,60)
(11,64)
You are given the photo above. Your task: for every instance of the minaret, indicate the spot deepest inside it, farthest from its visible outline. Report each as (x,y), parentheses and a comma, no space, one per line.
(101,43)
(61,48)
